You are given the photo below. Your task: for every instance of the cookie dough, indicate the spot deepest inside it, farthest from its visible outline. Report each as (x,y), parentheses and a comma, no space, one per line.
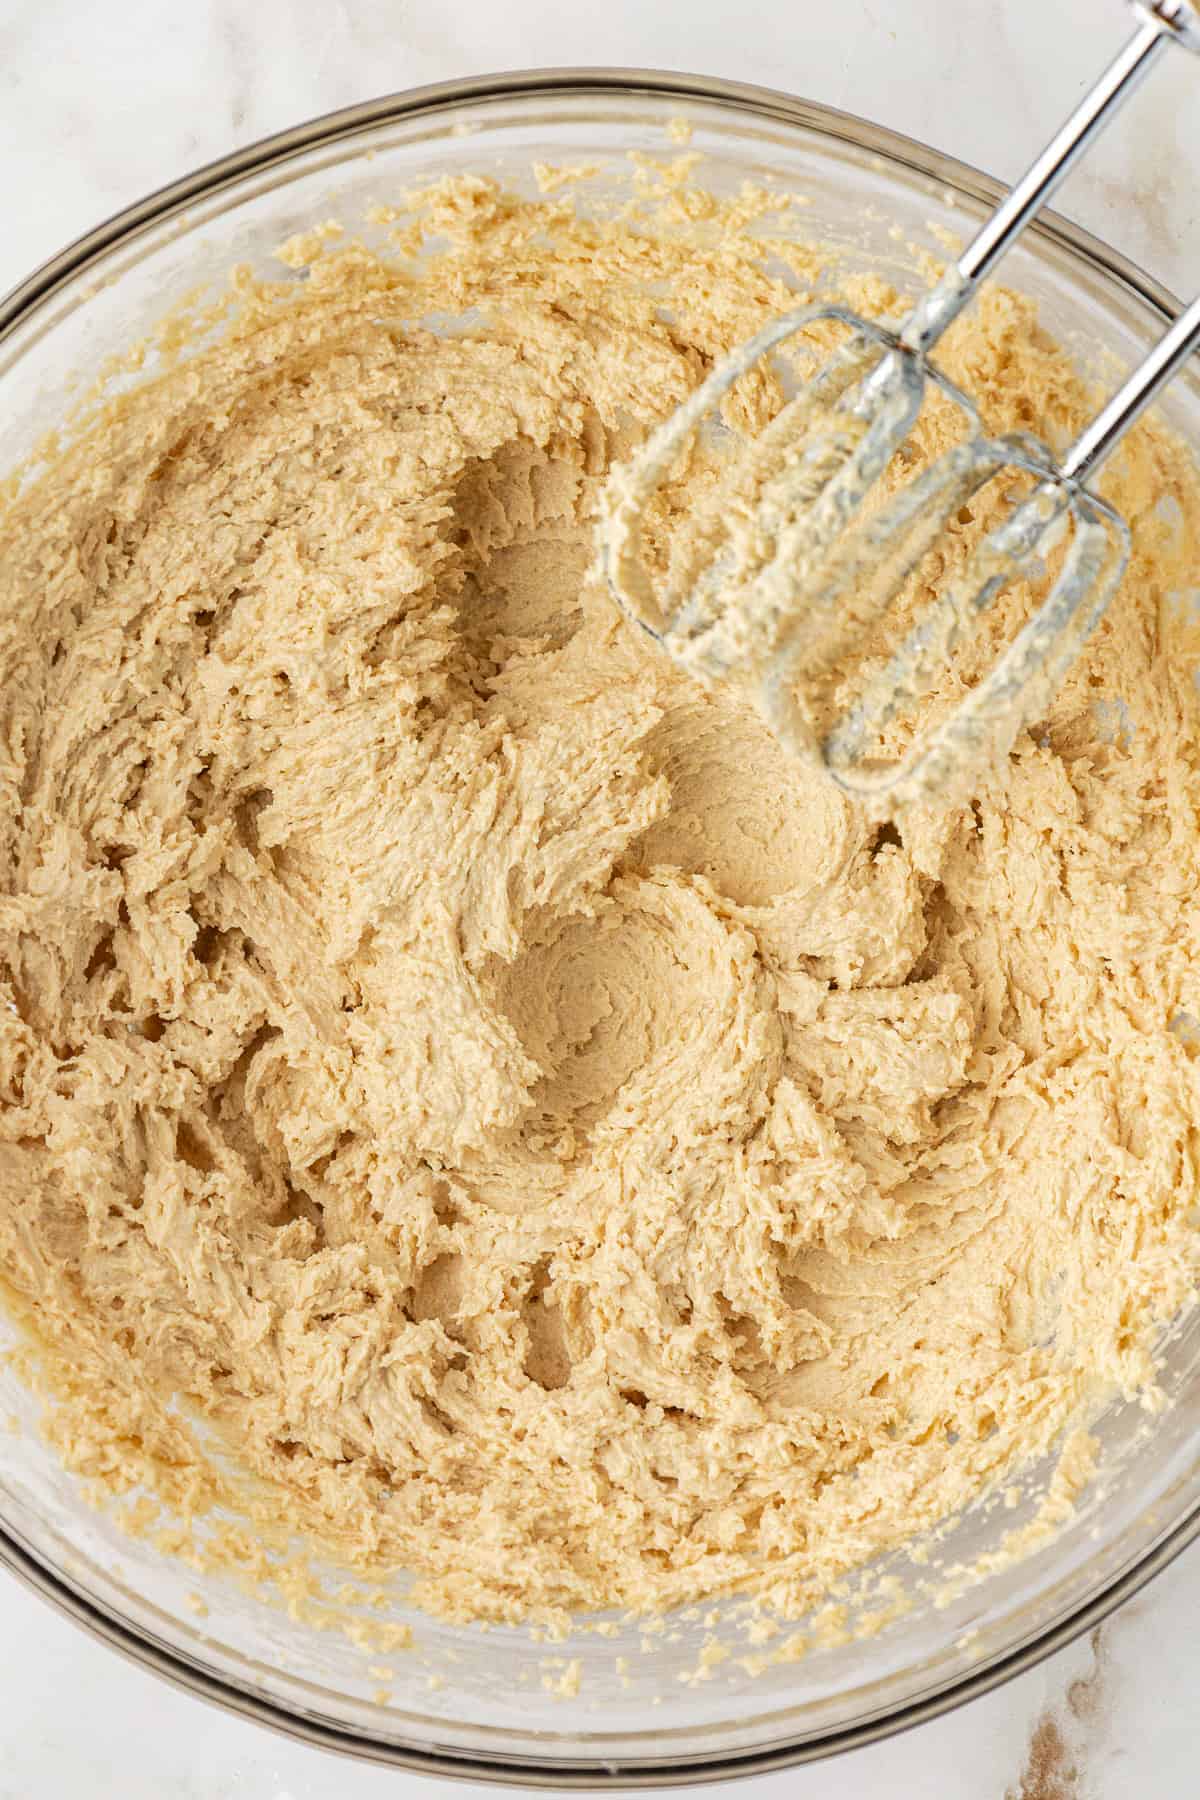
(559,1146)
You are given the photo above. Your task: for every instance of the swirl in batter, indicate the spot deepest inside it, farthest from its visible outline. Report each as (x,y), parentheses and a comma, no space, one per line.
(556,1142)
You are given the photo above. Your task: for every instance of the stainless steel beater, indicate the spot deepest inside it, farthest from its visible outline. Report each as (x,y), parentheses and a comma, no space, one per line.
(821,566)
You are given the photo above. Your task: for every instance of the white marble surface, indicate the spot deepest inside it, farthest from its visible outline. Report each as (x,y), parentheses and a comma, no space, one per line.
(104,99)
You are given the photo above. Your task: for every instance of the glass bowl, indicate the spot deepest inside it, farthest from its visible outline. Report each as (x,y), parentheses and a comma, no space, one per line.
(490,1703)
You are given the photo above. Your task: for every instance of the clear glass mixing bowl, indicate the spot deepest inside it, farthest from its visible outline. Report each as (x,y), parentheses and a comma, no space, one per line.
(477,1702)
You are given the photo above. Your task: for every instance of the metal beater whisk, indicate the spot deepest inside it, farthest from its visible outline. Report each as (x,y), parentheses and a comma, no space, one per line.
(812,567)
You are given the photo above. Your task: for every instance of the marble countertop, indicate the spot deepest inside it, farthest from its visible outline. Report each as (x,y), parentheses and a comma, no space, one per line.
(105,99)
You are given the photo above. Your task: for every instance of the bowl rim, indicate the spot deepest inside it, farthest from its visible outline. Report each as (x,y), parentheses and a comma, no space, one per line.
(160,205)
(579,1776)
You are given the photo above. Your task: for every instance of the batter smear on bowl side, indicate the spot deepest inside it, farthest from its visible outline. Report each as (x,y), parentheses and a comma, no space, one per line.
(551,1136)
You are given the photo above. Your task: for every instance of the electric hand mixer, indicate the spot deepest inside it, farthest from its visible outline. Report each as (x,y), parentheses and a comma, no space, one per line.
(815,543)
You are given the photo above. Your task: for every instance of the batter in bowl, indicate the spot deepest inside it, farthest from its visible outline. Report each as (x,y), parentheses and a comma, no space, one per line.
(558,1144)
